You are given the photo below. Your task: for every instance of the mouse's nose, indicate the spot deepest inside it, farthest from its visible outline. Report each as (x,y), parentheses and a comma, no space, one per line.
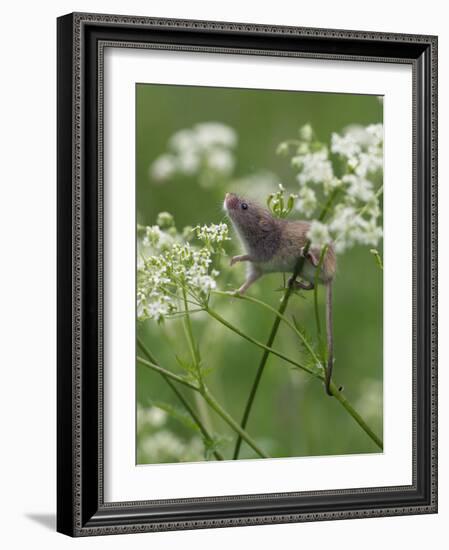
(231,200)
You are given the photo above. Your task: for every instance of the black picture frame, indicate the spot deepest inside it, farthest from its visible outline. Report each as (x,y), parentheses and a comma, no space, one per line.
(81,509)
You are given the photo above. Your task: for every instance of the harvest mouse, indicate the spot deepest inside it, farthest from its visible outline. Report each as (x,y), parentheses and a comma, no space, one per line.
(274,245)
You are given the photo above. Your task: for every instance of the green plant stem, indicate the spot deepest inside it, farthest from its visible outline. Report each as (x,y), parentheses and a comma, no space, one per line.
(190,339)
(282,307)
(315,300)
(320,375)
(266,348)
(340,397)
(154,366)
(184,402)
(196,358)
(355,415)
(211,401)
(286,320)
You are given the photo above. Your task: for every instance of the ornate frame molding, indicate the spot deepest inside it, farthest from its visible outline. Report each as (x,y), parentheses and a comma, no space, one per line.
(81,42)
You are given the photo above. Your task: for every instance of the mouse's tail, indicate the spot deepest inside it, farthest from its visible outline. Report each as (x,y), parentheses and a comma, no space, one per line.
(330,337)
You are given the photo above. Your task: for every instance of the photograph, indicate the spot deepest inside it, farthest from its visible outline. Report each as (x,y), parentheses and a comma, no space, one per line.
(259,273)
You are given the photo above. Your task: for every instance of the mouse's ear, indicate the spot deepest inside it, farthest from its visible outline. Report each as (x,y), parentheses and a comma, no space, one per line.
(265,224)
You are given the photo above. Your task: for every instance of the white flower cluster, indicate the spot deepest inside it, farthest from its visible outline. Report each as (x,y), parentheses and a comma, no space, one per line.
(165,446)
(213,236)
(307,201)
(319,234)
(351,227)
(362,147)
(314,167)
(156,443)
(355,218)
(168,264)
(153,417)
(205,151)
(156,238)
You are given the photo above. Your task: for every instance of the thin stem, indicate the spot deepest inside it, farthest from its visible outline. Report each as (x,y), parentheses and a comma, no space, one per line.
(315,300)
(338,394)
(317,374)
(175,295)
(286,320)
(165,372)
(232,423)
(189,336)
(181,313)
(282,307)
(355,415)
(211,401)
(184,402)
(195,353)
(266,348)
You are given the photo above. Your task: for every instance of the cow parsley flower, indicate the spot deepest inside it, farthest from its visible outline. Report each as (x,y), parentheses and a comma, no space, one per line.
(209,134)
(165,220)
(358,188)
(183,140)
(351,227)
(153,417)
(162,446)
(156,239)
(170,264)
(189,162)
(356,216)
(345,145)
(165,446)
(283,149)
(368,163)
(307,201)
(220,161)
(206,151)
(313,167)
(306,132)
(362,147)
(318,234)
(163,168)
(213,236)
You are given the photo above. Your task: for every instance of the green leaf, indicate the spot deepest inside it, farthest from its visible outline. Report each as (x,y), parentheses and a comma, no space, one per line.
(306,357)
(189,368)
(376,254)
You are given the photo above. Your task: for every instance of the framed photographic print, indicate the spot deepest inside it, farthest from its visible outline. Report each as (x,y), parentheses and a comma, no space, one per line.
(246,274)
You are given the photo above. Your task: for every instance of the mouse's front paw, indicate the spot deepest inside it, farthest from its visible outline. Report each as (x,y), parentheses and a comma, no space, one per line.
(242,258)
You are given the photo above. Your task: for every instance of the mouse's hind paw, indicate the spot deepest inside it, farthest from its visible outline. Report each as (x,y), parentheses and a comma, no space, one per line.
(309,255)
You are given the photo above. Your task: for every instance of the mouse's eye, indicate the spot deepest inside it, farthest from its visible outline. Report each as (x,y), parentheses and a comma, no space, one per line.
(244,206)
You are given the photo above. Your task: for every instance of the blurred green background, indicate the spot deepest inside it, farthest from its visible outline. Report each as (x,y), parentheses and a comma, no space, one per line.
(291,416)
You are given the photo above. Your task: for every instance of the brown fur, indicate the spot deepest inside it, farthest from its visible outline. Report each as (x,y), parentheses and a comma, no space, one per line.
(274,245)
